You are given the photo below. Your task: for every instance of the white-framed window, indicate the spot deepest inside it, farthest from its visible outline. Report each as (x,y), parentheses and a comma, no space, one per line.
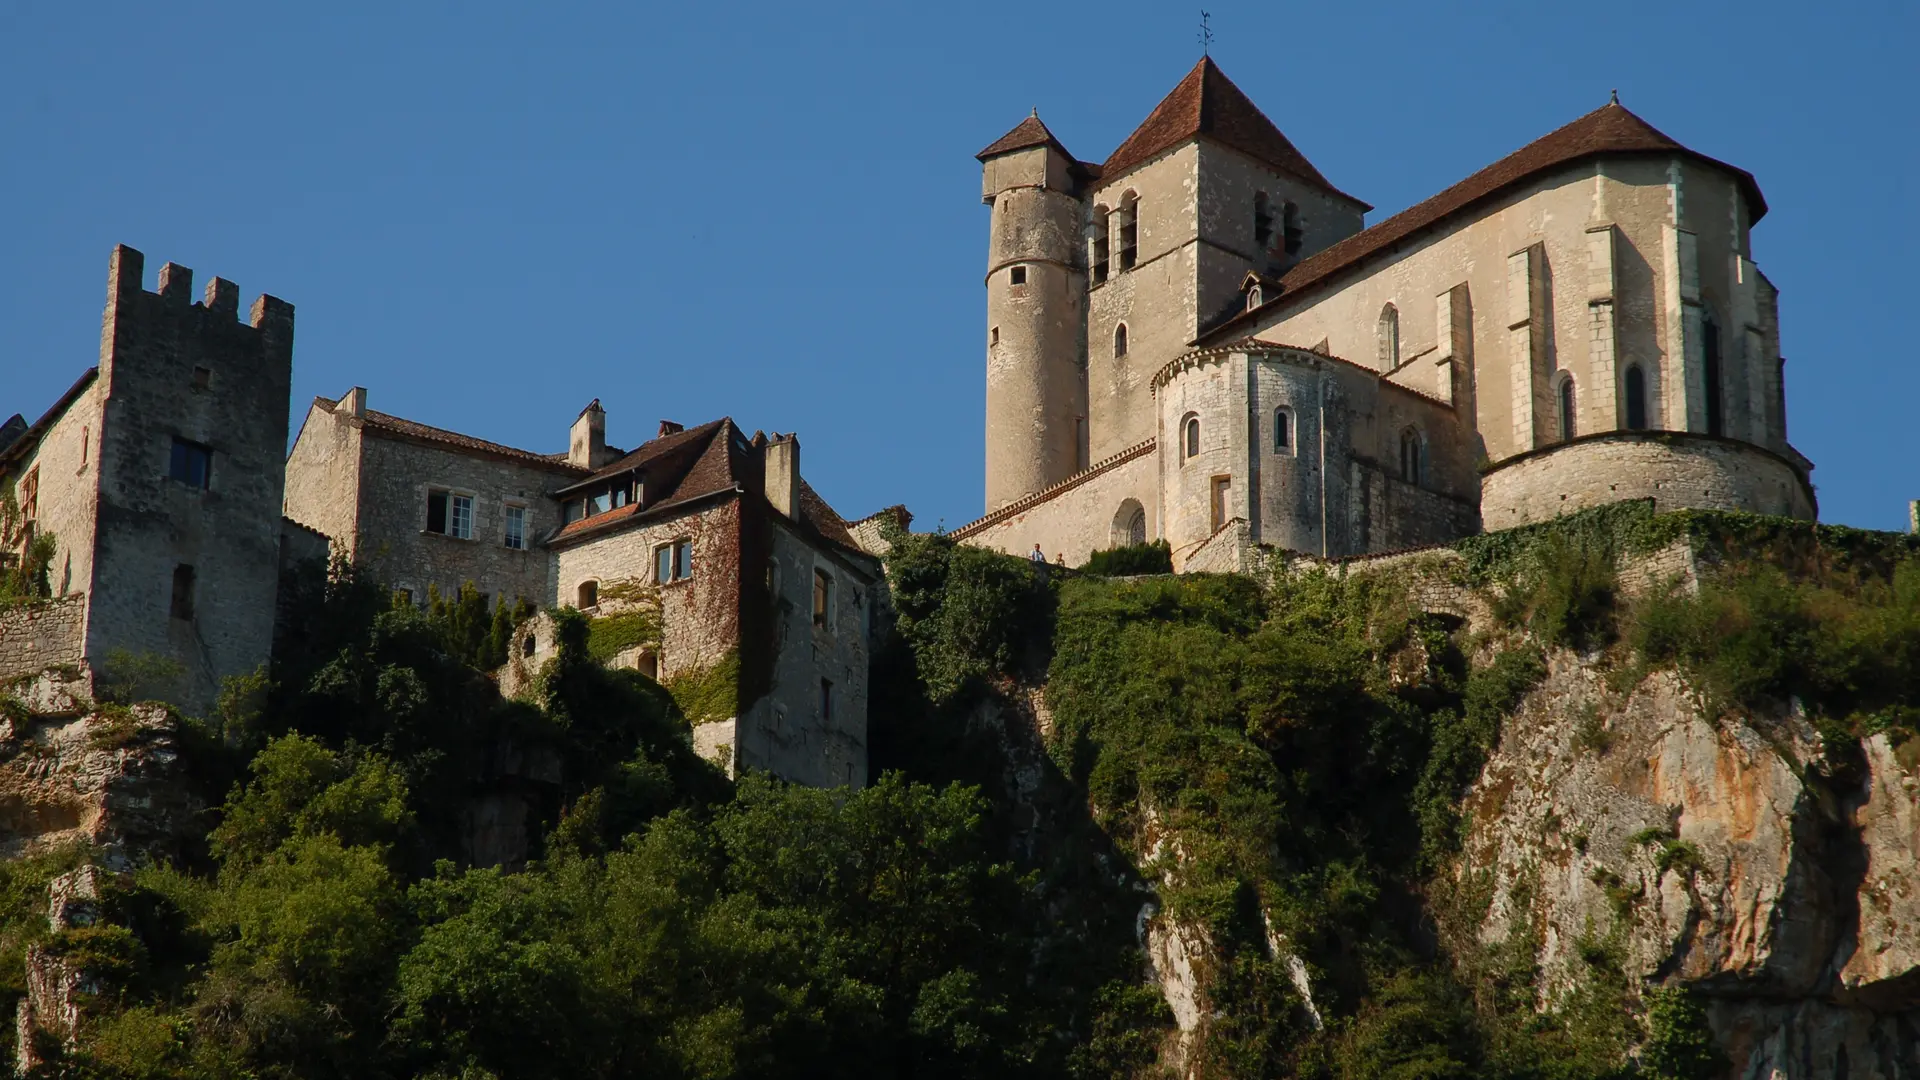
(673,561)
(450,513)
(516,535)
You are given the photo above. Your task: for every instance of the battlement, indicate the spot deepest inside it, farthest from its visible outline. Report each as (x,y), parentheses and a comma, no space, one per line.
(127,270)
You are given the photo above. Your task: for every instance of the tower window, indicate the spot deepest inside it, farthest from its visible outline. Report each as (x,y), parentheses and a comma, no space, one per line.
(1222,489)
(1283,430)
(993,336)
(1017,276)
(822,600)
(1710,370)
(192,464)
(826,701)
(1189,437)
(1120,340)
(1389,334)
(1129,230)
(1567,417)
(1097,242)
(1291,235)
(1262,222)
(1636,398)
(1410,455)
(182,606)
(202,378)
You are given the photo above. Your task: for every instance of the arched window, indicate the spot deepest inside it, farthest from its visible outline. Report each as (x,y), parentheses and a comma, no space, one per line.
(1568,427)
(1389,338)
(1129,230)
(1129,524)
(1262,222)
(1283,431)
(1189,437)
(1254,296)
(1710,370)
(1636,398)
(1120,340)
(1291,235)
(1097,244)
(1410,455)
(588,594)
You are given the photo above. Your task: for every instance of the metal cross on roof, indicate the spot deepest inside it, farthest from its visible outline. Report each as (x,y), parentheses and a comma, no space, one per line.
(1206,34)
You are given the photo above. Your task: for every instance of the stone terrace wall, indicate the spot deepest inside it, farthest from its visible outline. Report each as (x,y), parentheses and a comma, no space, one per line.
(36,637)
(1677,471)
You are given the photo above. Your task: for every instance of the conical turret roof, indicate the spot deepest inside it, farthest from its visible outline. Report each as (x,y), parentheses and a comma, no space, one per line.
(1206,104)
(1027,133)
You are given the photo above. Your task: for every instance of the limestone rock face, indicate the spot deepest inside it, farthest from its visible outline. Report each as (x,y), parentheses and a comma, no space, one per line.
(1741,857)
(70,771)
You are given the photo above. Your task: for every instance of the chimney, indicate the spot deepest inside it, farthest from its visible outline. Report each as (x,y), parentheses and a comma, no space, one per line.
(356,402)
(782,456)
(668,427)
(587,444)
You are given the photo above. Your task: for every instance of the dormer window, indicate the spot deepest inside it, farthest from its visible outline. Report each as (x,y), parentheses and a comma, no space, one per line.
(1253,296)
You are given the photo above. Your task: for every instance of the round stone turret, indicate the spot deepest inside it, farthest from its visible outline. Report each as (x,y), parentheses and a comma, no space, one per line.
(1036,314)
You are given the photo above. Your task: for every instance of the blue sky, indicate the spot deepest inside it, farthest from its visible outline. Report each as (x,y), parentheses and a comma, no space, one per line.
(490,214)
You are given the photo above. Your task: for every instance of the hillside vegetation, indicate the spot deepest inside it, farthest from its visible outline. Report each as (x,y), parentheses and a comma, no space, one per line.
(1117,826)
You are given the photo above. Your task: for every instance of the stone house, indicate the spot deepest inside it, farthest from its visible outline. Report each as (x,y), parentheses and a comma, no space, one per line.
(163,479)
(1200,340)
(158,478)
(701,558)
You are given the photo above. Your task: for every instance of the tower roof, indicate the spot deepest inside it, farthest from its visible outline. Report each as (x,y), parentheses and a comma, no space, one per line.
(1206,104)
(1027,133)
(1610,129)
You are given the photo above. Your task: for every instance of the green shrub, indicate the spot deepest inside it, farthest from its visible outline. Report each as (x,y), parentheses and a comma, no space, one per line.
(1154,557)
(1680,1045)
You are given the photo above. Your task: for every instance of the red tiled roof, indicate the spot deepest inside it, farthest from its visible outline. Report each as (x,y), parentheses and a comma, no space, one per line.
(1206,104)
(1610,129)
(1027,133)
(388,424)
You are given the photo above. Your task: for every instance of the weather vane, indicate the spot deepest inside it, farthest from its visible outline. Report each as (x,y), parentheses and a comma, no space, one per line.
(1206,35)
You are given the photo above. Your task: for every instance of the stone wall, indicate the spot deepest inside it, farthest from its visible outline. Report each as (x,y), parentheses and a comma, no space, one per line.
(176,369)
(38,636)
(1677,471)
(799,729)
(699,615)
(62,470)
(323,476)
(1078,517)
(392,541)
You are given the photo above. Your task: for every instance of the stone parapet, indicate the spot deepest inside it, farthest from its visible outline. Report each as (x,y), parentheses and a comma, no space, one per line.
(1676,470)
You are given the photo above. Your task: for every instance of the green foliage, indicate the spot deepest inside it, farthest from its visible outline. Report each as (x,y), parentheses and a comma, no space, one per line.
(128,677)
(968,613)
(474,630)
(1461,741)
(709,693)
(1153,557)
(26,554)
(1679,1044)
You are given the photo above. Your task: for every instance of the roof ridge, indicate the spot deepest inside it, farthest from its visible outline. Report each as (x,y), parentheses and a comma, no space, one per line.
(1027,502)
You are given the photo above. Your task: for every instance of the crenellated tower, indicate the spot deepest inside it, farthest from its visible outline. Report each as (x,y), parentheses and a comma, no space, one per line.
(1036,313)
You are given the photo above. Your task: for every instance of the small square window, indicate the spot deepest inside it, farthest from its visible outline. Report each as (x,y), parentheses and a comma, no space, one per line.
(192,464)
(1017,276)
(202,378)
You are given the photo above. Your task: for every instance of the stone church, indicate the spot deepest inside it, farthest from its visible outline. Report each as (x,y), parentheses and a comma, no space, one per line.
(1200,340)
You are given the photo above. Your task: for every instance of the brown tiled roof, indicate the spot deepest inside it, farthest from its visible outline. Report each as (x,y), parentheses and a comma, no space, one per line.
(1028,502)
(30,438)
(1027,133)
(388,424)
(1610,129)
(815,512)
(1206,104)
